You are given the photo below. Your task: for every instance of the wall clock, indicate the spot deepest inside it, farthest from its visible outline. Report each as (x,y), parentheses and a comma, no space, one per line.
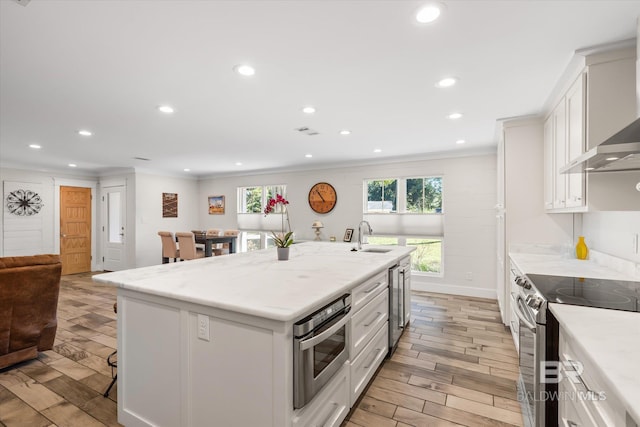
(322,197)
(24,202)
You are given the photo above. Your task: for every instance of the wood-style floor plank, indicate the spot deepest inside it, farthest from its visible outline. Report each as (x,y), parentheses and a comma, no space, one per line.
(456,366)
(456,347)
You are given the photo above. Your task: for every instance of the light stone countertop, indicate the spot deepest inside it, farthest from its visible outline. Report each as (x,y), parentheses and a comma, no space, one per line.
(559,265)
(611,340)
(256,283)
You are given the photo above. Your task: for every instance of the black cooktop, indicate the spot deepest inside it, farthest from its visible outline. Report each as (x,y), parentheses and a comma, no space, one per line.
(600,293)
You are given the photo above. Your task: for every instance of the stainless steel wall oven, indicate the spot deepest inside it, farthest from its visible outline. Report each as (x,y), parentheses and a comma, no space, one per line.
(320,348)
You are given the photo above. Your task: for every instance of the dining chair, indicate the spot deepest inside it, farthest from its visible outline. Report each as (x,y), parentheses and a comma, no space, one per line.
(187,243)
(169,248)
(225,246)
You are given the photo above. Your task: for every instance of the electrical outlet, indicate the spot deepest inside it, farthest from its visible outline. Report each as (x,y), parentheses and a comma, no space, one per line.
(203,327)
(469,275)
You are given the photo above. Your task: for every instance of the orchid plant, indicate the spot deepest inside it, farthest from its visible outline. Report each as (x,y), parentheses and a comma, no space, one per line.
(282,239)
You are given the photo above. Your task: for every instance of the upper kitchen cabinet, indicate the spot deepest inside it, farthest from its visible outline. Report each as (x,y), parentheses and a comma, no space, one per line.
(597,100)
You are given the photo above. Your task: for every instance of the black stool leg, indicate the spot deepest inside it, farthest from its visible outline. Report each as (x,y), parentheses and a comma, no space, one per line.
(113,381)
(112,364)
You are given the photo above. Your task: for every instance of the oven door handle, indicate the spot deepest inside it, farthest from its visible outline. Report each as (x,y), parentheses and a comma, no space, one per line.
(339,323)
(521,315)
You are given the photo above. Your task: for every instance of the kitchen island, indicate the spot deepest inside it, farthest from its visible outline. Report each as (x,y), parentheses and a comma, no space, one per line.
(210,341)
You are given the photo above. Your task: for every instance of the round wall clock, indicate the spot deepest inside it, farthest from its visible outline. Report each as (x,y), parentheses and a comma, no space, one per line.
(322,197)
(24,202)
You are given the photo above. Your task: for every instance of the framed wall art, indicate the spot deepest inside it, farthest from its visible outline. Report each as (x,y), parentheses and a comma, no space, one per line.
(169,205)
(216,205)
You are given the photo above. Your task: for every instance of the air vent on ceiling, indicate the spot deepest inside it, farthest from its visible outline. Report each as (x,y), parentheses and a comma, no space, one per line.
(142,158)
(307,131)
(22,2)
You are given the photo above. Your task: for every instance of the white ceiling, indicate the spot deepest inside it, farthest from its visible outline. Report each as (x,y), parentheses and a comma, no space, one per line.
(367,66)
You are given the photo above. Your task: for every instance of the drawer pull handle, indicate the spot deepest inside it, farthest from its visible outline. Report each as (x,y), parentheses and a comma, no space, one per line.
(574,364)
(377,316)
(569,423)
(373,288)
(326,420)
(375,356)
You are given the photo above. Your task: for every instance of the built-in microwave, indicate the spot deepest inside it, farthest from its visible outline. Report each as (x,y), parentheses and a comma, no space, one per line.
(320,348)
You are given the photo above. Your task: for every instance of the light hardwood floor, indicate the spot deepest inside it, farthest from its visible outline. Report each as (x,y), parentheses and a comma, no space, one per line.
(456,365)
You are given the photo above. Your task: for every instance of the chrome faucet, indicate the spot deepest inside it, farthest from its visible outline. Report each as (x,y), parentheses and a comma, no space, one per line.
(370,231)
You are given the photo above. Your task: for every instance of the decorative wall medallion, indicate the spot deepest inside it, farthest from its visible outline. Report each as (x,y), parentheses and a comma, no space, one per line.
(24,202)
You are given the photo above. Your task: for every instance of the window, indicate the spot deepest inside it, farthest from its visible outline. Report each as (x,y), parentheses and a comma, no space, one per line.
(251,203)
(408,212)
(427,258)
(424,195)
(382,195)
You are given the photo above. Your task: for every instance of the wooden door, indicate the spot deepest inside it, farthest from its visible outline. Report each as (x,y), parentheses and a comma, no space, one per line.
(75,229)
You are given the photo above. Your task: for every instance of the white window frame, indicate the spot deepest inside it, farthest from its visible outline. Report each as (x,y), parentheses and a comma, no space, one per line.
(408,218)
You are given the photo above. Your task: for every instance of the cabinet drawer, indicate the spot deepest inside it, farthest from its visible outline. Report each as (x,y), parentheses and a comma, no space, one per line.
(366,322)
(365,365)
(365,292)
(330,407)
(589,390)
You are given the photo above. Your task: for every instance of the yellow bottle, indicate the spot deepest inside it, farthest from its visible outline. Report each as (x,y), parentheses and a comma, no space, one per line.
(582,251)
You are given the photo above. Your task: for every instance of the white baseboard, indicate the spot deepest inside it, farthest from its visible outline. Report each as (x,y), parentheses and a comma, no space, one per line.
(443,288)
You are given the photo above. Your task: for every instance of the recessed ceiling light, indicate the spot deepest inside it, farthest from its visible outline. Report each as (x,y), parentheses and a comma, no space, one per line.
(454,116)
(167,109)
(85,132)
(429,13)
(308,156)
(610,159)
(72,165)
(345,132)
(460,141)
(589,169)
(245,70)
(309,110)
(35,146)
(377,150)
(447,82)
(238,164)
(187,170)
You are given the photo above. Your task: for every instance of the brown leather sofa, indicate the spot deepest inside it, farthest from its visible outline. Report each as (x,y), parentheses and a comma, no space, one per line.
(29,288)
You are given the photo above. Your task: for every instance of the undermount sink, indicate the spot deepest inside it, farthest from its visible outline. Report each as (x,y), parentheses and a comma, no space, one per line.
(376,250)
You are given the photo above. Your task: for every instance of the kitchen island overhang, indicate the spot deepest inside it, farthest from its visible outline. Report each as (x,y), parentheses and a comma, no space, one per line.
(242,374)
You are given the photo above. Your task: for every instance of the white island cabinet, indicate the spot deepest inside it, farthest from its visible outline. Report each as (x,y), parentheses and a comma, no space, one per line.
(210,341)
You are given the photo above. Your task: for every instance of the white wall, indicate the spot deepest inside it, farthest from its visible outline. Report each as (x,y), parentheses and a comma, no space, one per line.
(148,213)
(469,200)
(50,215)
(613,233)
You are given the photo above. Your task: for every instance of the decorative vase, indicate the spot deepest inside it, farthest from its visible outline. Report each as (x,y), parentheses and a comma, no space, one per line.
(582,251)
(283,254)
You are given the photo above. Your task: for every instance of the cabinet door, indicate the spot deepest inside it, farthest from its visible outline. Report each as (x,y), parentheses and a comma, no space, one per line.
(575,102)
(549,154)
(560,154)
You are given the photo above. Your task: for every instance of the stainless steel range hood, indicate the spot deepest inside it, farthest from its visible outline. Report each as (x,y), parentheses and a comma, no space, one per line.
(621,152)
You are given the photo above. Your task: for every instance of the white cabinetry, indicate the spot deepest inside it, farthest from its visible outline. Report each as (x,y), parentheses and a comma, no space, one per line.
(584,397)
(369,332)
(520,213)
(330,407)
(405,266)
(564,140)
(595,104)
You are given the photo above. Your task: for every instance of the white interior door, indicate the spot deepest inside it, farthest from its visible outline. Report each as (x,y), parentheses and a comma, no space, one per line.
(114,228)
